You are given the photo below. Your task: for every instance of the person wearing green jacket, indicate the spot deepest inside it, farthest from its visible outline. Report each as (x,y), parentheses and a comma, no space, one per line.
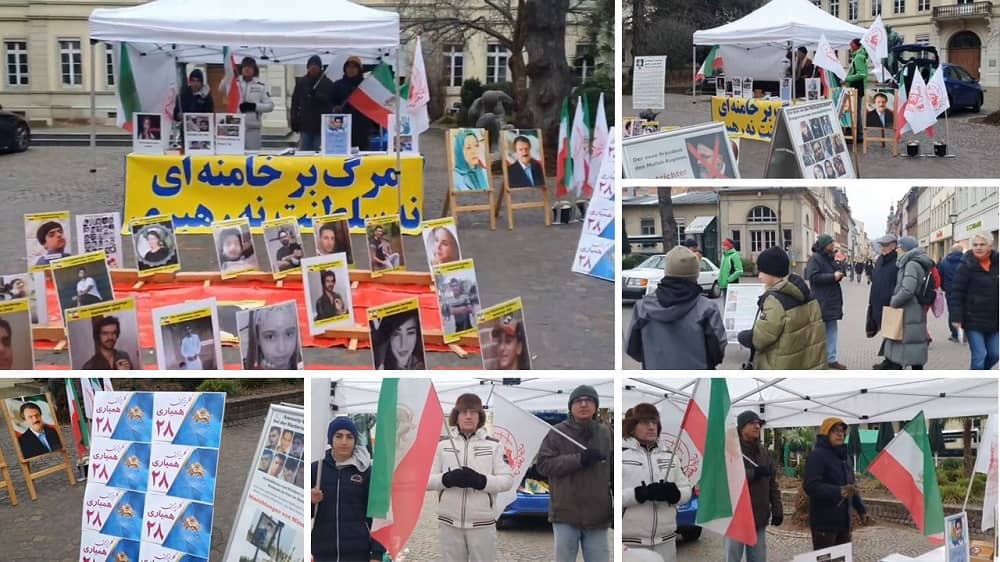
(857,78)
(731,268)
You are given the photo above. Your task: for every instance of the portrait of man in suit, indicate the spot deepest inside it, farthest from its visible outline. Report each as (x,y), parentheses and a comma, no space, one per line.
(39,438)
(525,171)
(881,116)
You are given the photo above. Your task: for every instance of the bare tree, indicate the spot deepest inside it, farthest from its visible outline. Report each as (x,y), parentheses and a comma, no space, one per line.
(536,28)
(668,225)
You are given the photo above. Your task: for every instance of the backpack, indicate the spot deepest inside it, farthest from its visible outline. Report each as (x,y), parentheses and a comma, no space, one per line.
(927,291)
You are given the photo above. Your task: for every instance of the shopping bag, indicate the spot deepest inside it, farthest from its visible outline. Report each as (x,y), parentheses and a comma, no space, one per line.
(940,304)
(892,323)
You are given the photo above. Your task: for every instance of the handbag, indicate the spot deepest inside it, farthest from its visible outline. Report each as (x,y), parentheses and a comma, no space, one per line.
(939,305)
(892,323)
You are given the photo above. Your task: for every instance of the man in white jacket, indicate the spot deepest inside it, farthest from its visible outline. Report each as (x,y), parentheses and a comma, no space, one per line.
(255,100)
(651,490)
(469,471)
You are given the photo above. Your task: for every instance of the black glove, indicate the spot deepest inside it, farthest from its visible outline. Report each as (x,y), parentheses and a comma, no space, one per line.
(664,492)
(247,107)
(591,456)
(451,479)
(777,517)
(474,479)
(745,338)
(642,492)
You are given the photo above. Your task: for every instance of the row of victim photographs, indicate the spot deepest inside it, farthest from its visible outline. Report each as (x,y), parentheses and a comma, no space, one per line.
(626,469)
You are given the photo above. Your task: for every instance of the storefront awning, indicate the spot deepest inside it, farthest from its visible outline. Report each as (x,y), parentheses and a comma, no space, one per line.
(698,225)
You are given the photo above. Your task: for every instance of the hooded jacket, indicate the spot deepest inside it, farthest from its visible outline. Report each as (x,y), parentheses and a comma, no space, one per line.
(651,522)
(974,293)
(731,268)
(914,266)
(788,332)
(194,102)
(311,99)
(883,285)
(947,268)
(664,324)
(342,530)
(468,508)
(827,470)
(579,496)
(821,274)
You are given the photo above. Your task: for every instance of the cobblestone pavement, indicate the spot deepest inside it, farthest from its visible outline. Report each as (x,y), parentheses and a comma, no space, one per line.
(871,544)
(521,540)
(975,144)
(48,530)
(568,316)
(854,349)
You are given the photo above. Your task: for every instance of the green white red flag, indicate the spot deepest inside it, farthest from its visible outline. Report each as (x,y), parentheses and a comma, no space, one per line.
(146,83)
(375,97)
(711,66)
(906,467)
(230,86)
(77,420)
(564,164)
(409,422)
(723,497)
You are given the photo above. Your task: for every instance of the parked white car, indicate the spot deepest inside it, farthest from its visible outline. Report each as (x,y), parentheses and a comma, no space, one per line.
(643,279)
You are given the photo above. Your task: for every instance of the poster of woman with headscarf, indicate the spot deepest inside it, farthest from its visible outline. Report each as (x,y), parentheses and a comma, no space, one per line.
(469,159)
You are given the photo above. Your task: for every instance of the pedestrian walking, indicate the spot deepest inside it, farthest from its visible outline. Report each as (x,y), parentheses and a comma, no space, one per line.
(468,472)
(914,265)
(973,301)
(859,270)
(947,267)
(824,279)
(869,270)
(663,323)
(829,483)
(883,284)
(788,331)
(652,486)
(762,481)
(731,268)
(579,480)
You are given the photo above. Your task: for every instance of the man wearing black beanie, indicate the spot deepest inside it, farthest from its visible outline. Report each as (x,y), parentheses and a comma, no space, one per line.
(311,99)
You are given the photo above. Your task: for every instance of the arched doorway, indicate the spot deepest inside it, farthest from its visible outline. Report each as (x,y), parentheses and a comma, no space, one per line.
(965,50)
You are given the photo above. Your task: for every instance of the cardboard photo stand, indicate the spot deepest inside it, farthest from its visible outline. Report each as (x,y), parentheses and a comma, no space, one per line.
(6,480)
(510,152)
(451,206)
(875,135)
(29,476)
(787,156)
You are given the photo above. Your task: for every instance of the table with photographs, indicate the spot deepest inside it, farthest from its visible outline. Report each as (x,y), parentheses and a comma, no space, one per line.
(199,190)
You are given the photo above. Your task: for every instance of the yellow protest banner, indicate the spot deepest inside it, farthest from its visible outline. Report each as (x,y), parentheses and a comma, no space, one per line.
(199,190)
(747,119)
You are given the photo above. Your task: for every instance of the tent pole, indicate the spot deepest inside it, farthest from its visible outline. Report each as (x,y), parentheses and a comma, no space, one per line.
(694,71)
(794,69)
(93,105)
(395,140)
(968,491)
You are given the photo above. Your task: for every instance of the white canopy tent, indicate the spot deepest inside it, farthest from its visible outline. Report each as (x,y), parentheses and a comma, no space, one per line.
(805,402)
(360,396)
(778,25)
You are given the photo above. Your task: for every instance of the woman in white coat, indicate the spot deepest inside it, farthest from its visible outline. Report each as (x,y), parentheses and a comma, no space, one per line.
(651,490)
(469,471)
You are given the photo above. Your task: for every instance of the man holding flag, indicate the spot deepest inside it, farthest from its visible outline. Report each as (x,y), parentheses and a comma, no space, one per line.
(829,483)
(469,471)
(575,458)
(762,482)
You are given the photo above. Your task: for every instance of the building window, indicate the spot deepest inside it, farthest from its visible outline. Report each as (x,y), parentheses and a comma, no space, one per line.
(647,227)
(583,62)
(17,63)
(876,7)
(818,3)
(109,65)
(736,240)
(786,243)
(924,38)
(70,59)
(923,5)
(898,6)
(496,64)
(852,10)
(454,65)
(681,228)
(835,8)
(761,240)
(761,214)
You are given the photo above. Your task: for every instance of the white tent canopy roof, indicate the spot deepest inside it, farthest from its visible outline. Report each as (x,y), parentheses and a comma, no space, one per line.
(288,24)
(805,402)
(781,21)
(360,396)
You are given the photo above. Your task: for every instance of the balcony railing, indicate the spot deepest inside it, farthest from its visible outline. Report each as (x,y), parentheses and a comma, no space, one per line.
(964,10)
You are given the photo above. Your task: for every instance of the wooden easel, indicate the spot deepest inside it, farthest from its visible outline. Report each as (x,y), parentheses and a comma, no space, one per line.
(6,480)
(507,191)
(849,104)
(451,205)
(29,476)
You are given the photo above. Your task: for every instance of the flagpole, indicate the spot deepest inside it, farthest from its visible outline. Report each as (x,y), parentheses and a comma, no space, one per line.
(454,447)
(968,491)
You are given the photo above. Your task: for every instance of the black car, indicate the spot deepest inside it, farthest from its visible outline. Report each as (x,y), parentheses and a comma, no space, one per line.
(15,134)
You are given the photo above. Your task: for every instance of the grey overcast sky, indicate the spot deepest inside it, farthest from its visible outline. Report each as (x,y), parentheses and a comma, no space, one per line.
(870,204)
